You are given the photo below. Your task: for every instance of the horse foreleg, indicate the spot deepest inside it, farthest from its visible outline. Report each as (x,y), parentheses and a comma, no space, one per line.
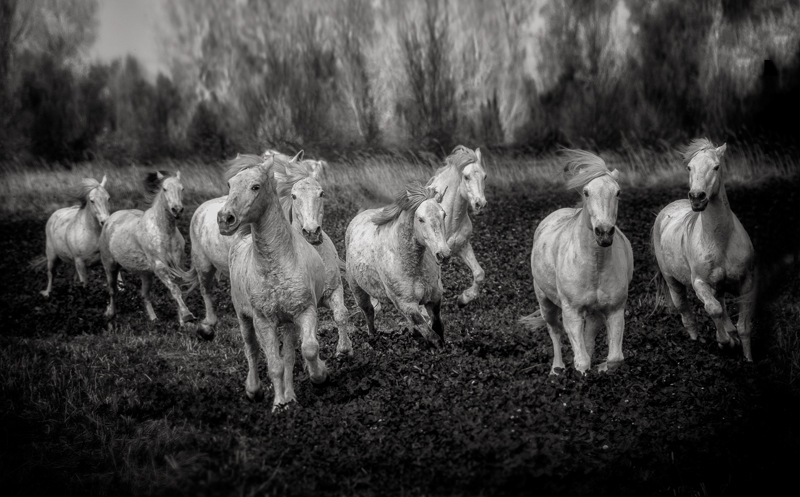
(677,293)
(267,334)
(147,283)
(411,311)
(434,311)
(573,324)
(591,328)
(747,304)
(615,327)
(184,314)
(252,385)
(715,309)
(288,354)
(309,345)
(478,276)
(335,302)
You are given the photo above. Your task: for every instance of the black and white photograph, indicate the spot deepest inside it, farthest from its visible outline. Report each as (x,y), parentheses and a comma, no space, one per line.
(399,247)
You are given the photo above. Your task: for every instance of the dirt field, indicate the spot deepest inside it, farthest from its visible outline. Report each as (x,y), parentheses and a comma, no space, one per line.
(150,409)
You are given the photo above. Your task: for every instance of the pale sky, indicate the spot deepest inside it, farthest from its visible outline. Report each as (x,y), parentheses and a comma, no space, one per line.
(129,27)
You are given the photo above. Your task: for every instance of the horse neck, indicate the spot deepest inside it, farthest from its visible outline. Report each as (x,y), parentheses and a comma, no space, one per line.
(716,221)
(404,238)
(272,236)
(159,212)
(596,256)
(453,203)
(87,218)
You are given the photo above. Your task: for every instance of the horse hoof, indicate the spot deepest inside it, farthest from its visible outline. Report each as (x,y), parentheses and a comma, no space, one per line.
(255,396)
(461,303)
(319,381)
(344,354)
(44,293)
(205,331)
(188,318)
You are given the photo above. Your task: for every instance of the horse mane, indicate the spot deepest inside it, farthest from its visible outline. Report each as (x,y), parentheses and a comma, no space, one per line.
(407,200)
(152,185)
(242,162)
(582,168)
(695,147)
(83,189)
(287,176)
(458,159)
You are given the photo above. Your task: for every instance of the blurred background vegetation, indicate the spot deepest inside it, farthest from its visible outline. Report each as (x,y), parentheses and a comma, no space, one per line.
(343,76)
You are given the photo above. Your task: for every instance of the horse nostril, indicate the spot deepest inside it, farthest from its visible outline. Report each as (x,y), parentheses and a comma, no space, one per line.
(230,219)
(318,230)
(598,232)
(611,231)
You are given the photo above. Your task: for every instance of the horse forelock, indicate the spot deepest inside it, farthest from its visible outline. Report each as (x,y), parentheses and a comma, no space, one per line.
(83,189)
(458,159)
(695,147)
(289,175)
(583,167)
(243,162)
(407,200)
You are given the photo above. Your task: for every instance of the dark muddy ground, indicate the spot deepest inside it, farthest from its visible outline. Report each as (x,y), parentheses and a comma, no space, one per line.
(150,409)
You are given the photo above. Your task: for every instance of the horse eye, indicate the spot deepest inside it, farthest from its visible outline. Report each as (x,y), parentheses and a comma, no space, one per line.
(255,187)
(294,197)
(92,201)
(466,176)
(586,193)
(618,192)
(421,220)
(688,168)
(321,194)
(716,168)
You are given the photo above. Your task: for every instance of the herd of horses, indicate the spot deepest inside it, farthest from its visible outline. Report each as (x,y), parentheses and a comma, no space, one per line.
(267,236)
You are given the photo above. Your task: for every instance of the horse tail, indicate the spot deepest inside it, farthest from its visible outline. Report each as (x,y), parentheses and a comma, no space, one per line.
(534,320)
(188,280)
(663,297)
(39,263)
(342,265)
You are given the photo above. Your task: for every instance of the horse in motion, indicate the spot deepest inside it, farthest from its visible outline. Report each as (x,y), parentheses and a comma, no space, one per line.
(148,243)
(302,199)
(462,181)
(699,242)
(582,266)
(73,233)
(276,278)
(394,253)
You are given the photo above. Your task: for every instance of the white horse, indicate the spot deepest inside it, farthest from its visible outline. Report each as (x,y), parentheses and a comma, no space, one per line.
(699,242)
(582,266)
(394,254)
(301,197)
(148,243)
(462,179)
(276,278)
(73,233)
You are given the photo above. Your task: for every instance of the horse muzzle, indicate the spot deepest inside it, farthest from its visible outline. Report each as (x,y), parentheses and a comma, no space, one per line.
(477,207)
(313,237)
(177,212)
(699,201)
(604,237)
(442,257)
(227,223)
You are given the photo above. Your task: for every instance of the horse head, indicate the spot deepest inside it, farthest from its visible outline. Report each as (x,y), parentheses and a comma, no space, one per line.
(172,189)
(472,184)
(601,200)
(248,198)
(98,198)
(429,227)
(704,175)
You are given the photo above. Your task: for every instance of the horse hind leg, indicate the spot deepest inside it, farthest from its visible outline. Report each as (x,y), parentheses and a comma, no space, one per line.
(335,302)
(414,316)
(205,274)
(52,264)
(184,314)
(147,283)
(80,271)
(112,273)
(715,308)
(590,330)
(743,325)
(434,311)
(677,292)
(364,302)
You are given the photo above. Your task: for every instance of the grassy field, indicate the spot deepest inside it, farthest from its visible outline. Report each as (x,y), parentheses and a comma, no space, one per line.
(149,410)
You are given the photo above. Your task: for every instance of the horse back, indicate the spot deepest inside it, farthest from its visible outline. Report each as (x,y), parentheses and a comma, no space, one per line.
(119,240)
(69,238)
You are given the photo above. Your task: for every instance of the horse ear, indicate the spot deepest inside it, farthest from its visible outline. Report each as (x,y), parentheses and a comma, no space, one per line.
(614,174)
(316,168)
(103,181)
(298,157)
(721,150)
(440,195)
(159,175)
(478,154)
(178,175)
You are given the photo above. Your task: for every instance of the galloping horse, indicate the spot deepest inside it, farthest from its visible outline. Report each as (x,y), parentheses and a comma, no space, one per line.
(462,179)
(301,198)
(148,243)
(73,233)
(699,242)
(582,266)
(276,278)
(394,254)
